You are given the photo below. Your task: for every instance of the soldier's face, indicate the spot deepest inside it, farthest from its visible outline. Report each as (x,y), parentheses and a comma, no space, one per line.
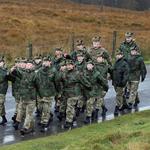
(119,56)
(47,63)
(128,39)
(80,47)
(58,54)
(29,66)
(62,68)
(90,66)
(70,66)
(23,65)
(100,59)
(2,64)
(96,44)
(38,61)
(80,58)
(133,52)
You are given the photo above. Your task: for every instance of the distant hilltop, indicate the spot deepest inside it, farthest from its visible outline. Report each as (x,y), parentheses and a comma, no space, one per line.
(139,5)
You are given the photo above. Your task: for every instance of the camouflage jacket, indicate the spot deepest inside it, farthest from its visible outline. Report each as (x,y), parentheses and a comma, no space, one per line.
(15,83)
(137,68)
(45,81)
(120,73)
(95,51)
(27,90)
(93,81)
(83,52)
(126,48)
(71,83)
(3,80)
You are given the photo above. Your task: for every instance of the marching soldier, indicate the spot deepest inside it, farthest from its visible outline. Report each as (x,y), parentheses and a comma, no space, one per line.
(3,90)
(80,66)
(128,44)
(97,48)
(80,49)
(45,81)
(92,80)
(72,91)
(119,80)
(137,71)
(27,102)
(104,69)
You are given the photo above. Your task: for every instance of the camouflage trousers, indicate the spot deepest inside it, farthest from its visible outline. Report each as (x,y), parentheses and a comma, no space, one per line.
(119,96)
(63,104)
(45,105)
(25,111)
(100,100)
(80,102)
(2,106)
(17,99)
(90,106)
(133,89)
(70,111)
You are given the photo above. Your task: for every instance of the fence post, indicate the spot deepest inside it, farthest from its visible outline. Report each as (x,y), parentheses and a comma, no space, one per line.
(29,50)
(114,40)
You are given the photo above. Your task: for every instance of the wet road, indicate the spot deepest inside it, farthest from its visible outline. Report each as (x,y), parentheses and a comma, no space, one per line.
(8,135)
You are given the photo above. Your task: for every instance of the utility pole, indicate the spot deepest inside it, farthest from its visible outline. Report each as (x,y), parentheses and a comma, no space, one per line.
(114,40)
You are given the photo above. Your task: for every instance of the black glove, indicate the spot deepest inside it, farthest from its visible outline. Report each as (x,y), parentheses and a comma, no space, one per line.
(106,88)
(142,78)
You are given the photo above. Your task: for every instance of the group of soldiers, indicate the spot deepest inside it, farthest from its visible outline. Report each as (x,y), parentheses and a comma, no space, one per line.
(76,82)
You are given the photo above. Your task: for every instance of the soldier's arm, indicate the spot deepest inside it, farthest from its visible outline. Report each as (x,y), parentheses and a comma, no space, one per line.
(125,73)
(143,70)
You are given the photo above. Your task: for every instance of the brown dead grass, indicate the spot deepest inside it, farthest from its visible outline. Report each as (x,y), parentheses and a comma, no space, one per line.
(49,23)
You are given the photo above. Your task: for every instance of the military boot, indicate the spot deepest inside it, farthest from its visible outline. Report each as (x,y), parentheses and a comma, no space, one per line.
(68,125)
(61,116)
(87,120)
(116,112)
(130,106)
(4,121)
(78,110)
(24,131)
(44,128)
(16,125)
(104,110)
(14,118)
(96,114)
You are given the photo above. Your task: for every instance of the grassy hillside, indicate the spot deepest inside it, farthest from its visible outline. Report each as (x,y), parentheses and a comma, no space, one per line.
(49,23)
(130,132)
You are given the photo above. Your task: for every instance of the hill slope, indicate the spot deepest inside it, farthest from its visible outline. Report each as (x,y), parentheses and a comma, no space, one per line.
(50,22)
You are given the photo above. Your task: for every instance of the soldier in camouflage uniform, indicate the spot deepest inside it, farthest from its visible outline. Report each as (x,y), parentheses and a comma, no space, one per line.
(27,98)
(71,90)
(63,98)
(125,47)
(45,81)
(137,71)
(104,69)
(15,85)
(128,44)
(80,66)
(97,48)
(80,49)
(119,80)
(38,65)
(57,60)
(3,90)
(93,81)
